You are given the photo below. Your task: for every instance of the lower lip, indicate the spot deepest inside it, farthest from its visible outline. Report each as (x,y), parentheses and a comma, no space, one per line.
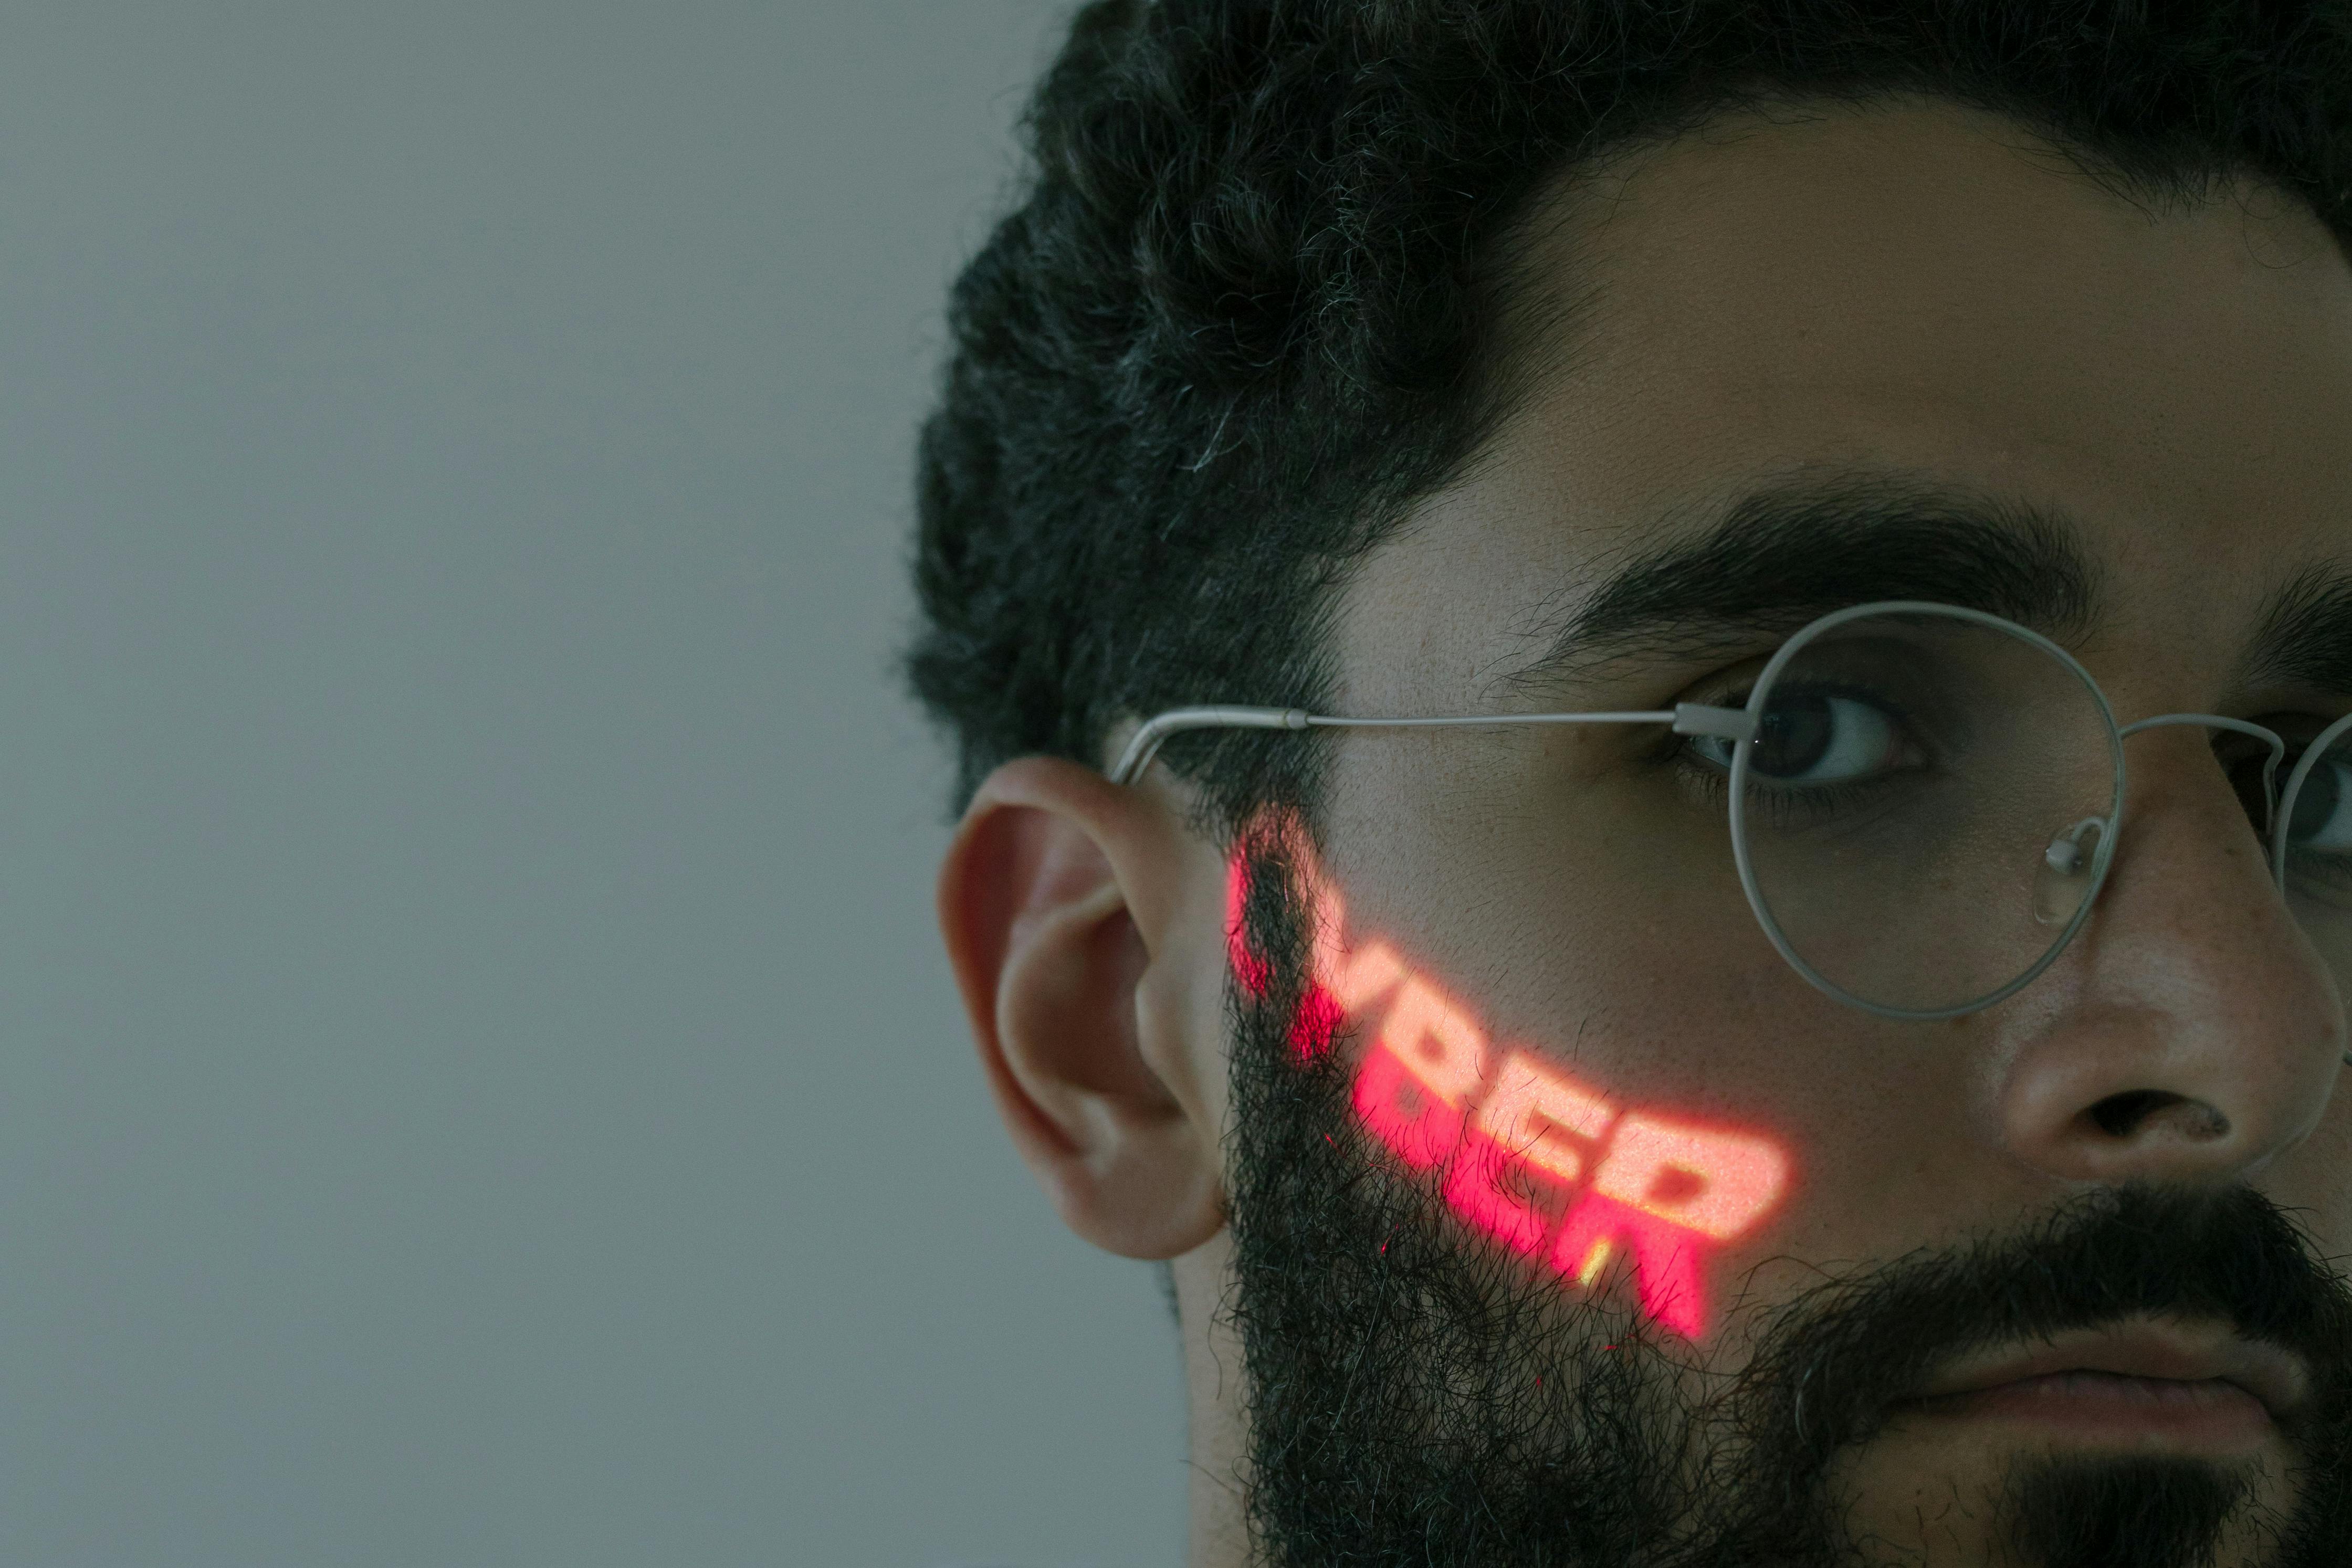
(2109,1409)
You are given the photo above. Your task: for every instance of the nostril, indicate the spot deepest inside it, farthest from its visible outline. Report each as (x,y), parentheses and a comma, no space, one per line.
(2118,1114)
(2144,1111)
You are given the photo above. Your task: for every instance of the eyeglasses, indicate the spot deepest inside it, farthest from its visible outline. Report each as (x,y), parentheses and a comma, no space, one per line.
(1925,801)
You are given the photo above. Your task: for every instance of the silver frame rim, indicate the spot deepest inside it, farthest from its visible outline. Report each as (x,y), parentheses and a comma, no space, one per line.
(2102,860)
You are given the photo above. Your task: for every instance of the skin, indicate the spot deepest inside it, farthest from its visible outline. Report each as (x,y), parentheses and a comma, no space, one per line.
(1914,287)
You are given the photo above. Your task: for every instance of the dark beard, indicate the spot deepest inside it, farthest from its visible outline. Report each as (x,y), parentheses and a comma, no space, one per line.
(1417,1399)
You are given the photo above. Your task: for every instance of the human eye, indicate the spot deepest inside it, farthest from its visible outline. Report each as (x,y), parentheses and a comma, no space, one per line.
(1821,735)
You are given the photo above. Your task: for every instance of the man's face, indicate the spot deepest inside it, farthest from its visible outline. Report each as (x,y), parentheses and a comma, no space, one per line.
(1916,297)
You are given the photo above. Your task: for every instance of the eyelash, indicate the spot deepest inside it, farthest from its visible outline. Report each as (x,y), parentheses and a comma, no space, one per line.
(1774,807)
(1712,785)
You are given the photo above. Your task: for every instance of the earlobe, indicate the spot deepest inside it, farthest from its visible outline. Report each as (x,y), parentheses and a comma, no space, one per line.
(1055,901)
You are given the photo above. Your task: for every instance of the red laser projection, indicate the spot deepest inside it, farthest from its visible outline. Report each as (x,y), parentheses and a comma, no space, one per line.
(1524,1154)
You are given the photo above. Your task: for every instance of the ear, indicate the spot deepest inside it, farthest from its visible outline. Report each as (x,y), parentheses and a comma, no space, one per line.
(1069,905)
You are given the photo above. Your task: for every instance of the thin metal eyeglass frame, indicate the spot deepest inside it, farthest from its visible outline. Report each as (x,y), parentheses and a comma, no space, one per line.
(1742,724)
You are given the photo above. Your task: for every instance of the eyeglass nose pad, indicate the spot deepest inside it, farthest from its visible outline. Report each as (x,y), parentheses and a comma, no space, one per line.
(2069,867)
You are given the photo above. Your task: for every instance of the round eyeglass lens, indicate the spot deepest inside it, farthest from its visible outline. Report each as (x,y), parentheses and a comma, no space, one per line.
(2316,855)
(1923,816)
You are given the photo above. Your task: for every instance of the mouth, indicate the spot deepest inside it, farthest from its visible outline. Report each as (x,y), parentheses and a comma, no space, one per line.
(2145,1384)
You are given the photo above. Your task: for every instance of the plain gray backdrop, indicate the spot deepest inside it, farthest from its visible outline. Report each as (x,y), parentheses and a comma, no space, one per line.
(482,1084)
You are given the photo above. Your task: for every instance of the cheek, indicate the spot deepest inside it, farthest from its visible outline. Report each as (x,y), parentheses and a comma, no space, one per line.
(2313,1180)
(1642,1094)
(1598,1192)
(1888,1127)
(1605,1192)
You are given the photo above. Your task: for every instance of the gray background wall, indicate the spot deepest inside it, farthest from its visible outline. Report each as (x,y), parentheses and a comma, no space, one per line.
(479,1085)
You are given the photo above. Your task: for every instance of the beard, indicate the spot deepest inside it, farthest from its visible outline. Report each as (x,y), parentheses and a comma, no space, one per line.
(1418,1398)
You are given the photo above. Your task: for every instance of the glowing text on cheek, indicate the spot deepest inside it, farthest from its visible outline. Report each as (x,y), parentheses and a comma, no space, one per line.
(1544,1165)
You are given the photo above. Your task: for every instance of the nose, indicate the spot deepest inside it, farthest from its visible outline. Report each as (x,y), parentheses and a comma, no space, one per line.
(2195,1032)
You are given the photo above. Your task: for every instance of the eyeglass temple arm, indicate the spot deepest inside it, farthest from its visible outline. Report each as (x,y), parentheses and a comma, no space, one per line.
(1687,719)
(1175,721)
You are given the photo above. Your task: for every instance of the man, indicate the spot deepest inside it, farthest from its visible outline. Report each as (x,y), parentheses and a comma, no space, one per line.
(1830,1053)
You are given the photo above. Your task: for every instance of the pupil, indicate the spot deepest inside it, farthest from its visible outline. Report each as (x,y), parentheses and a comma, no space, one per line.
(1795,736)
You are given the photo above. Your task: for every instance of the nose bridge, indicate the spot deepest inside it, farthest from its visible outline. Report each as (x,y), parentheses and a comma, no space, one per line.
(2203,1033)
(2209,721)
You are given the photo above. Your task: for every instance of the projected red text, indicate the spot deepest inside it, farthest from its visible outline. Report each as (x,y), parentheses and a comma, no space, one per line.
(1545,1165)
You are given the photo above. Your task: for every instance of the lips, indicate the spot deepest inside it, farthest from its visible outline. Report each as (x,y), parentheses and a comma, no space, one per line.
(2143,1377)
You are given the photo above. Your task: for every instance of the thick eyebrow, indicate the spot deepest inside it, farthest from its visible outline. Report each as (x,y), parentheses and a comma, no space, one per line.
(1778,556)
(2306,635)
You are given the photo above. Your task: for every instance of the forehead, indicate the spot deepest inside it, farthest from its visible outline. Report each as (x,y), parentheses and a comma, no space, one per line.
(1922,289)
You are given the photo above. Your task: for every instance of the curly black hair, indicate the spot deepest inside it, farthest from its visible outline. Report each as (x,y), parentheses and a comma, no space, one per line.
(1249,304)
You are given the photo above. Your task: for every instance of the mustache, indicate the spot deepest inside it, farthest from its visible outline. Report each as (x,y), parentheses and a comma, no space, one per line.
(1830,1363)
